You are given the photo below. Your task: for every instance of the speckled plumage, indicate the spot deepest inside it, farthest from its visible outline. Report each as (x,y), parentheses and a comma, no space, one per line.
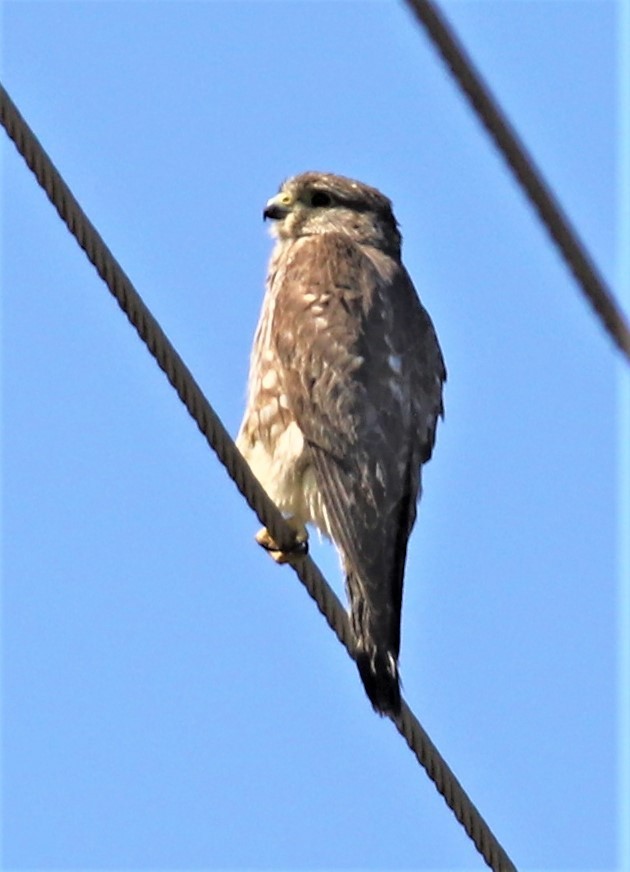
(344,394)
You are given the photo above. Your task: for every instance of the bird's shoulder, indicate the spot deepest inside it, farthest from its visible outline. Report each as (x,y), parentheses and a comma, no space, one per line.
(333,275)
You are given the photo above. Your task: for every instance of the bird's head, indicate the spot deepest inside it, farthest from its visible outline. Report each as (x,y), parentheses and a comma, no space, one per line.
(314,203)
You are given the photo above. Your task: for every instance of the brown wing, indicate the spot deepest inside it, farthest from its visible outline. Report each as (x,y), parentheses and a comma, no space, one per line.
(362,375)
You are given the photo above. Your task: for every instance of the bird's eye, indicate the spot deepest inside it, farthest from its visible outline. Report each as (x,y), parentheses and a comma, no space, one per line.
(320,198)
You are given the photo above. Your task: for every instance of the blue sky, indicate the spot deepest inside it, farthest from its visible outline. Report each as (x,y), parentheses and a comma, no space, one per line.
(171,698)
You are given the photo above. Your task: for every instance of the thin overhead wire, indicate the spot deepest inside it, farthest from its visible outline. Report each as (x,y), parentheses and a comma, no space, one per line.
(527,174)
(221,443)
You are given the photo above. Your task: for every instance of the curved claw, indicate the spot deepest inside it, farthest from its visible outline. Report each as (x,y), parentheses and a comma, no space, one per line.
(299,549)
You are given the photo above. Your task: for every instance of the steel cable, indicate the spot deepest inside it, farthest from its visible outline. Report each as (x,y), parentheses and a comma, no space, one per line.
(527,174)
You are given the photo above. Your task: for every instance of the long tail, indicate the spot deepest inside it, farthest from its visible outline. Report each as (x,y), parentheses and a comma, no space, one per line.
(376,627)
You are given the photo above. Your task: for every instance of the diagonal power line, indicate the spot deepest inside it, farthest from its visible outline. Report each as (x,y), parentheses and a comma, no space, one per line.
(219,440)
(527,174)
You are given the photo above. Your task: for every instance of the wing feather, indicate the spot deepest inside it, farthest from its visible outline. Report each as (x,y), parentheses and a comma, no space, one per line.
(362,373)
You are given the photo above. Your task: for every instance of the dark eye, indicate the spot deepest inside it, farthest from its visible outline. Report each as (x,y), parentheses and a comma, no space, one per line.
(320,198)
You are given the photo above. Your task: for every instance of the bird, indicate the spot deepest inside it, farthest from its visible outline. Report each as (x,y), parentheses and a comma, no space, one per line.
(344,393)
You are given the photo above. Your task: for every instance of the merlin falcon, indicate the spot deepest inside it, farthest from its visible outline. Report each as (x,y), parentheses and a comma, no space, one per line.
(344,394)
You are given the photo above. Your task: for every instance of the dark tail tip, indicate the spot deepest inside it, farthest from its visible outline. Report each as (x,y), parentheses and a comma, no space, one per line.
(379,674)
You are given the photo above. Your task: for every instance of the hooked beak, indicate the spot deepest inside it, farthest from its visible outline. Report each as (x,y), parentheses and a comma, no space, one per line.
(276,209)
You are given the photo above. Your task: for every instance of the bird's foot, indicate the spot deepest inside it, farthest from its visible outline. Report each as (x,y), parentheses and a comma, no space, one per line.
(298,550)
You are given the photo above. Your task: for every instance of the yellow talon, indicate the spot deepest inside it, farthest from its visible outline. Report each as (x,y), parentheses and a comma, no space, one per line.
(299,549)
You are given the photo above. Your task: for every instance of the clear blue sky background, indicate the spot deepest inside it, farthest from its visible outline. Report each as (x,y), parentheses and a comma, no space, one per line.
(172,699)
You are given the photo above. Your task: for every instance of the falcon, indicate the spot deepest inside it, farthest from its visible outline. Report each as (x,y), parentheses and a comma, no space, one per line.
(344,394)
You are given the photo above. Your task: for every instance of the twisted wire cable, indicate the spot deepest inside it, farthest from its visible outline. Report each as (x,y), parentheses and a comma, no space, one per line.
(221,443)
(524,169)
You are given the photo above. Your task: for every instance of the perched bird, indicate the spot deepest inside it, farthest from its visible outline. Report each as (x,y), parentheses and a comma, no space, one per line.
(345,389)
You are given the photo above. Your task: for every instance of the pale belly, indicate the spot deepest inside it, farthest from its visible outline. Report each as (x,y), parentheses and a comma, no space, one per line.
(282,467)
